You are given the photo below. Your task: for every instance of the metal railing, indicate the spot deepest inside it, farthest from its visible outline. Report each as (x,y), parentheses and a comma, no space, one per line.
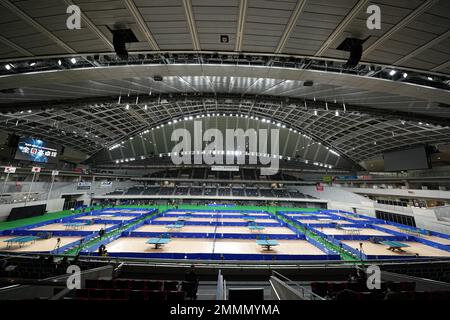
(442,213)
(223,264)
(302,292)
(408,210)
(221,292)
(231,58)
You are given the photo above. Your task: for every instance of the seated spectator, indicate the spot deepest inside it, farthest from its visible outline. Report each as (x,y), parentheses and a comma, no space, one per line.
(392,295)
(63,265)
(346,295)
(102,252)
(361,276)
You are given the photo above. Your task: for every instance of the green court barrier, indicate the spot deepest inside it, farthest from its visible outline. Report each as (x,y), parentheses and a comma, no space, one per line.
(48,216)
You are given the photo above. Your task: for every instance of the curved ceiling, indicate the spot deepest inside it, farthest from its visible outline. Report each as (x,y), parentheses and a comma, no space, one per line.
(414,33)
(354,134)
(138,80)
(291,146)
(80,107)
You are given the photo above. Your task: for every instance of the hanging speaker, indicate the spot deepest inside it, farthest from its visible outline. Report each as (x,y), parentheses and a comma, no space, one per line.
(120,38)
(13,140)
(355,47)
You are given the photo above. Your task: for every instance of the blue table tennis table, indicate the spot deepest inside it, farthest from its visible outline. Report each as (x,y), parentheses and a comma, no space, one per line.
(268,244)
(395,245)
(176,226)
(255,228)
(158,242)
(415,232)
(351,231)
(21,241)
(75,225)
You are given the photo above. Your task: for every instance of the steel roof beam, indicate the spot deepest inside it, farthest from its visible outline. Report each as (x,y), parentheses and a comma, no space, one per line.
(290,25)
(403,23)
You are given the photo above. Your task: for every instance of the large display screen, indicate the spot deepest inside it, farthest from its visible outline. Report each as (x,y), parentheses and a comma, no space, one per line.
(36,150)
(408,159)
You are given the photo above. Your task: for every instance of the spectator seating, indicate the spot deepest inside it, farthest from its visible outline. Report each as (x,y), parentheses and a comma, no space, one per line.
(248,174)
(224,191)
(280,193)
(198,174)
(166,191)
(115,193)
(252,192)
(42,268)
(196,191)
(332,290)
(133,290)
(239,192)
(181,191)
(210,191)
(201,173)
(137,190)
(266,192)
(152,190)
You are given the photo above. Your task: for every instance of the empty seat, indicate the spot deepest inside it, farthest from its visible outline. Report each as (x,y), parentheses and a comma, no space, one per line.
(337,286)
(91,284)
(155,295)
(190,288)
(137,295)
(319,288)
(377,295)
(171,285)
(356,286)
(440,295)
(118,294)
(422,296)
(175,295)
(137,285)
(154,285)
(97,294)
(408,286)
(364,296)
(122,284)
(105,284)
(82,294)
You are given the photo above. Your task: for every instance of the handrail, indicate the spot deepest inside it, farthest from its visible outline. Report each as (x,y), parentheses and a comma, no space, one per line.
(415,279)
(220,294)
(303,291)
(233,263)
(274,289)
(225,297)
(31,289)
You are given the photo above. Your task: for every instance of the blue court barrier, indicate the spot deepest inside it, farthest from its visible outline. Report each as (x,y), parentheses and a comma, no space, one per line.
(218,256)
